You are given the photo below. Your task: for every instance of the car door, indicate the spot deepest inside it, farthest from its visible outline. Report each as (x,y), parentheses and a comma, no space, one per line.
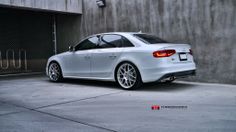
(78,62)
(105,57)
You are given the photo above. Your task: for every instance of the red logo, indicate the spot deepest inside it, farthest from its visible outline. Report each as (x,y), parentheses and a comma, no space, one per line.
(155,107)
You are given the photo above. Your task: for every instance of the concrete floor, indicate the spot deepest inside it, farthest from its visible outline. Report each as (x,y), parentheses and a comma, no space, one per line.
(33,104)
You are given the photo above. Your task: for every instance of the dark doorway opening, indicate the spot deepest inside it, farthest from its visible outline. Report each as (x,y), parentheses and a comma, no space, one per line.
(26,40)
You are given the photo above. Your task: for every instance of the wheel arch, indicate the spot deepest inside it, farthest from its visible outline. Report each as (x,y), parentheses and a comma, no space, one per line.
(55,61)
(120,63)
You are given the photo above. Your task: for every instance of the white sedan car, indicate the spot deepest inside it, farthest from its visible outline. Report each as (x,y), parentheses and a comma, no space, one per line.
(130,59)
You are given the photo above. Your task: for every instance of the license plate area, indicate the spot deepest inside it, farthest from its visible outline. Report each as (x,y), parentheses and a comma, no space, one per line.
(183,57)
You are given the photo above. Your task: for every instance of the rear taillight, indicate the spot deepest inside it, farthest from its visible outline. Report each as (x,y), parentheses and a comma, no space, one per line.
(190,52)
(163,53)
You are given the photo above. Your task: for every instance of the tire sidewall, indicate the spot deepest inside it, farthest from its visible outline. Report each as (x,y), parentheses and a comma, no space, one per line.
(60,72)
(138,82)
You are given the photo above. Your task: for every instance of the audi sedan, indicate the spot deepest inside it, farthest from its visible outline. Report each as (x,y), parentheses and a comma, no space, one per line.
(130,59)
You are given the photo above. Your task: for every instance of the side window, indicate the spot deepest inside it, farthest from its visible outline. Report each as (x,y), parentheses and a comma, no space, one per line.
(89,43)
(111,41)
(127,43)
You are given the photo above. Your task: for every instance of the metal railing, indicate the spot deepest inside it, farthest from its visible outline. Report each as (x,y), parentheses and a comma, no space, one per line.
(10,55)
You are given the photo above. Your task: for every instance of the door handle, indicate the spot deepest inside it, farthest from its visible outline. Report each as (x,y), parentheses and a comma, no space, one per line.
(87,57)
(112,56)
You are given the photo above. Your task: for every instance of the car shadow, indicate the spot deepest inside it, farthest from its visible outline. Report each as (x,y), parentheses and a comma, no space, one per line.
(158,86)
(92,83)
(155,86)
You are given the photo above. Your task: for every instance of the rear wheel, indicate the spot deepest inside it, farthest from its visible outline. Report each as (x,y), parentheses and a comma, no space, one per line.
(54,72)
(128,76)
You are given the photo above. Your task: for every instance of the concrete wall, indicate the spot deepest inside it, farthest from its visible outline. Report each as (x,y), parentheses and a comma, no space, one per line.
(66,6)
(68,31)
(208,25)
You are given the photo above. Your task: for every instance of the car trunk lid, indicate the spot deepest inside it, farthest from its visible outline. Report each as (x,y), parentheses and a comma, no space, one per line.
(182,55)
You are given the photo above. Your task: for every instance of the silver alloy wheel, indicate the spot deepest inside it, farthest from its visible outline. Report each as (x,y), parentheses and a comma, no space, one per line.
(126,75)
(54,72)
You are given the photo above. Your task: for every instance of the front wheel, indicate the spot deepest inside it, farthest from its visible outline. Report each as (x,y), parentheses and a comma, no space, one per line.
(128,76)
(54,72)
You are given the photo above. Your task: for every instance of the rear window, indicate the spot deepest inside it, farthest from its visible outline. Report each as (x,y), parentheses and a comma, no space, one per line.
(149,39)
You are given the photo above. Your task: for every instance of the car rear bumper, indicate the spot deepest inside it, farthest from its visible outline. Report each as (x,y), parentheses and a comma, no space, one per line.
(178,74)
(158,73)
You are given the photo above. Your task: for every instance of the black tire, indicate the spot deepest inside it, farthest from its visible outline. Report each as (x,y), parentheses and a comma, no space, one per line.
(138,80)
(54,72)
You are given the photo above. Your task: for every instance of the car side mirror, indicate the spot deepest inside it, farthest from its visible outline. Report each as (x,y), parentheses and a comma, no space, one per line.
(71,48)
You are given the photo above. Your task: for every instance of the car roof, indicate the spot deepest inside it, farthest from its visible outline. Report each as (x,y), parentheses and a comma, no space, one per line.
(120,33)
(127,34)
